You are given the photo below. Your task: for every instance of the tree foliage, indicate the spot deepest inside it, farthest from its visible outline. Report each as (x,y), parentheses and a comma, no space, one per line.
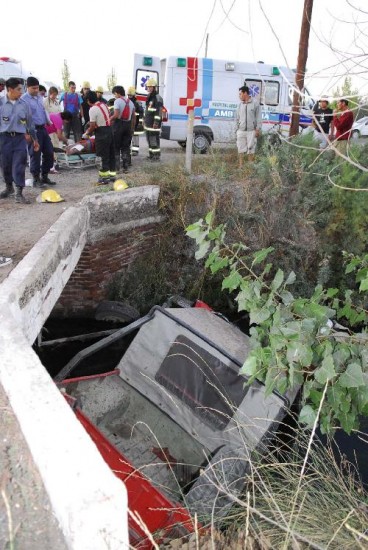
(65,75)
(111,79)
(296,341)
(347,91)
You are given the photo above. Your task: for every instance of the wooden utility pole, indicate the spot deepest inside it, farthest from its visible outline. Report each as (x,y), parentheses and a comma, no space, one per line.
(188,150)
(301,67)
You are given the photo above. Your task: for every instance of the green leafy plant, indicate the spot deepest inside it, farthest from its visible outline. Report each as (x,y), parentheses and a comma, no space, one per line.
(296,341)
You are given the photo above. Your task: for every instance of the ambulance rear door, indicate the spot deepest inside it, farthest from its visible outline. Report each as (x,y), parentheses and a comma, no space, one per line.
(145,67)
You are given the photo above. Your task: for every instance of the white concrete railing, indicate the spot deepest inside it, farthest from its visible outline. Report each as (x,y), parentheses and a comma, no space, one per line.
(89,502)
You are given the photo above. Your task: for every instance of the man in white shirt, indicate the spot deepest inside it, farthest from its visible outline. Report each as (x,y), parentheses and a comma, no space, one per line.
(99,123)
(249,123)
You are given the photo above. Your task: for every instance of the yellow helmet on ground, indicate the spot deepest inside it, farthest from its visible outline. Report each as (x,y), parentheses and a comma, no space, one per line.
(120,185)
(131,90)
(151,82)
(50,196)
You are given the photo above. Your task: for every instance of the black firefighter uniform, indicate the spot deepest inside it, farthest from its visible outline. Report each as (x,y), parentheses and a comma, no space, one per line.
(152,124)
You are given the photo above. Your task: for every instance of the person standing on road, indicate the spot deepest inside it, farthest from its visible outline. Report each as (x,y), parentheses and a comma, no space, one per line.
(248,124)
(322,119)
(2,88)
(86,88)
(343,120)
(99,123)
(16,129)
(123,121)
(72,102)
(39,164)
(52,106)
(139,113)
(153,120)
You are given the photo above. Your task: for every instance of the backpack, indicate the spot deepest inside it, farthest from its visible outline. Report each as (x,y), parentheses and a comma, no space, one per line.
(72,101)
(126,110)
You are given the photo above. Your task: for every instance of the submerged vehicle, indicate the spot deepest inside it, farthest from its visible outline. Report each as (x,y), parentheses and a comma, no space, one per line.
(176,420)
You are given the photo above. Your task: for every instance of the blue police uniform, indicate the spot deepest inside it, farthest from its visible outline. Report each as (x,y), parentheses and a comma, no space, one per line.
(40,119)
(15,122)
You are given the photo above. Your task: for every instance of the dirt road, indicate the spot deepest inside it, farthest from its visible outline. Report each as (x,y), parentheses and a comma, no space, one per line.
(23,225)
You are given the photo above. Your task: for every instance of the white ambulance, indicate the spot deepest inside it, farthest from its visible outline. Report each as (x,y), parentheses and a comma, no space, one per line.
(210,87)
(10,67)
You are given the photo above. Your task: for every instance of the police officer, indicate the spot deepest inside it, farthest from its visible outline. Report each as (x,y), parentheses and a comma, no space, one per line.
(40,118)
(153,119)
(16,129)
(139,113)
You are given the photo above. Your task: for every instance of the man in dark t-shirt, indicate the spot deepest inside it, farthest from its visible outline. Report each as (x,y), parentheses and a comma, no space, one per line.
(322,118)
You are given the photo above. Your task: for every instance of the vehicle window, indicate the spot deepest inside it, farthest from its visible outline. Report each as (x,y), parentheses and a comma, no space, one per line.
(307,101)
(266,91)
(290,95)
(211,389)
(272,92)
(141,77)
(255,88)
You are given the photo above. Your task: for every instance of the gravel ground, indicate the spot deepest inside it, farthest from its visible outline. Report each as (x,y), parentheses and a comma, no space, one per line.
(23,225)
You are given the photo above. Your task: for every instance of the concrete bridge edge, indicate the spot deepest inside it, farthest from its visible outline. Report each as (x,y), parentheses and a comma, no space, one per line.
(89,502)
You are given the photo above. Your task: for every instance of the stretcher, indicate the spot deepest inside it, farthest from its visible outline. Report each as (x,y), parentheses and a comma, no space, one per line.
(80,160)
(78,155)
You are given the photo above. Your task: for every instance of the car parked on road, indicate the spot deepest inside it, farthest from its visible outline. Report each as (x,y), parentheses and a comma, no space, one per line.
(360,128)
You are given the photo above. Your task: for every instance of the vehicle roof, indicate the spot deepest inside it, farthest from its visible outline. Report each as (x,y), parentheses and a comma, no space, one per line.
(256,67)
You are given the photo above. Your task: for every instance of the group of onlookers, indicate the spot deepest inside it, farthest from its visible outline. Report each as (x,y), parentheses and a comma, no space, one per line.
(327,125)
(32,125)
(334,124)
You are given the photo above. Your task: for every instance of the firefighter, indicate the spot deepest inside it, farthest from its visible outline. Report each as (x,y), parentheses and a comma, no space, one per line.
(139,113)
(153,119)
(123,123)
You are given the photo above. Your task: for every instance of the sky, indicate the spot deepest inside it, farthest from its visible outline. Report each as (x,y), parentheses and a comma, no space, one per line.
(94,37)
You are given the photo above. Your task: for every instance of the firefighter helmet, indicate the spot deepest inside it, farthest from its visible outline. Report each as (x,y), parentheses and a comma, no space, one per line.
(100,89)
(120,185)
(151,82)
(131,90)
(50,196)
(86,84)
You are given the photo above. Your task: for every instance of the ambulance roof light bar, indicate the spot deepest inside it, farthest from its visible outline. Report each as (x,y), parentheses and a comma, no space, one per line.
(9,59)
(147,61)
(275,71)
(229,66)
(181,62)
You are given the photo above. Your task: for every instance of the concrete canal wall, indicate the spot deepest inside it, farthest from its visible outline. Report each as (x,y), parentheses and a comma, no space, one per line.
(70,266)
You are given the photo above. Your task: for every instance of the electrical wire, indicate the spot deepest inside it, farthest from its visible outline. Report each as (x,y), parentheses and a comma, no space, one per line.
(207,25)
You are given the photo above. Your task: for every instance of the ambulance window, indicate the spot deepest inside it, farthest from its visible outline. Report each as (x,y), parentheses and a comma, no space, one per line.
(141,78)
(272,92)
(255,89)
(291,93)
